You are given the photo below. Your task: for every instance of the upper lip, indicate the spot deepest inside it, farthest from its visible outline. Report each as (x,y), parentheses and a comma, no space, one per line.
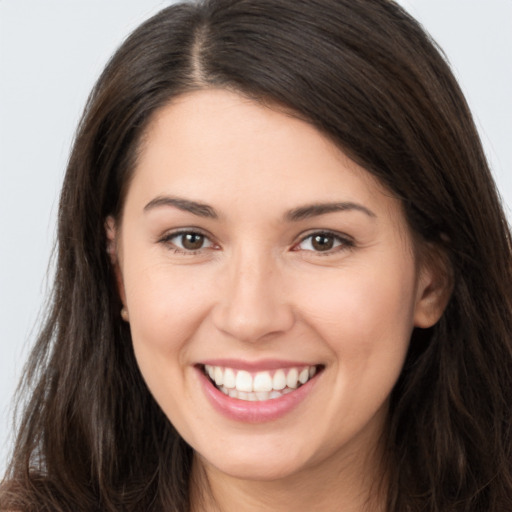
(261,365)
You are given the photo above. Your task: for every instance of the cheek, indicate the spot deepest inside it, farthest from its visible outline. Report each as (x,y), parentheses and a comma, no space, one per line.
(365,311)
(167,305)
(166,308)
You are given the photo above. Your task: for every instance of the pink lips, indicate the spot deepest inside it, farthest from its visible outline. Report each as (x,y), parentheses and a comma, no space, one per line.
(259,411)
(266,364)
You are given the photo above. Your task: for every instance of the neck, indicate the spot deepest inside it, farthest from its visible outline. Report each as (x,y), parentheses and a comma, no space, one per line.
(354,484)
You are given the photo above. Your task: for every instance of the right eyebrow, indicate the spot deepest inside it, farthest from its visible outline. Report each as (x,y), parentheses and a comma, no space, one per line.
(199,209)
(317,209)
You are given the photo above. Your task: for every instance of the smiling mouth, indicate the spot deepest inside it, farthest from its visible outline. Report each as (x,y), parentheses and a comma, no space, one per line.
(259,386)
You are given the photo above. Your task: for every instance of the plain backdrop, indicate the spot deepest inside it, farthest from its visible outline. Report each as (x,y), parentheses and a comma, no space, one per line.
(51,52)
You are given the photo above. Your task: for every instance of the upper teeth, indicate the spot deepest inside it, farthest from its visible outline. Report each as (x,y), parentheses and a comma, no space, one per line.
(242,380)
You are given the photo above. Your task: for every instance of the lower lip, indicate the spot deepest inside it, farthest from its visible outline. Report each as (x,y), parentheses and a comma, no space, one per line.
(254,412)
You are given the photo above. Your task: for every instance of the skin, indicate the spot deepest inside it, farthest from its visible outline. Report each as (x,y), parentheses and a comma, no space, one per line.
(258,289)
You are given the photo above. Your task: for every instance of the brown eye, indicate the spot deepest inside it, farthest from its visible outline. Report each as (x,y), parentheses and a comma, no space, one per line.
(322,242)
(188,242)
(192,241)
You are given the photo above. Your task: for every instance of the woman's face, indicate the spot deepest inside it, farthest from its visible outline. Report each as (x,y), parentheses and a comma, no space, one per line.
(251,249)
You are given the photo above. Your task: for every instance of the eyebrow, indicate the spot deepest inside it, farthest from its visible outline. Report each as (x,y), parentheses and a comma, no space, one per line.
(294,215)
(317,209)
(199,209)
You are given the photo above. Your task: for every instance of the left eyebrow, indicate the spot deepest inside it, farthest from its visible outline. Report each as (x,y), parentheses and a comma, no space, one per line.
(199,209)
(317,209)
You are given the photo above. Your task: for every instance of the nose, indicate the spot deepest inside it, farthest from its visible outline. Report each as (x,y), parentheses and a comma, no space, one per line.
(252,303)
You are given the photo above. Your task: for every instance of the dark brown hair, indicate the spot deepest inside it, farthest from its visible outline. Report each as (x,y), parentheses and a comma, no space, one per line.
(363,72)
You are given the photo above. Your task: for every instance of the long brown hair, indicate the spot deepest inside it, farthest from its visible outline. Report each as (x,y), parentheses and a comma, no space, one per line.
(363,72)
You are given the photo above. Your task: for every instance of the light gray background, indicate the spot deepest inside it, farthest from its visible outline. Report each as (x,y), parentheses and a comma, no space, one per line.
(50,55)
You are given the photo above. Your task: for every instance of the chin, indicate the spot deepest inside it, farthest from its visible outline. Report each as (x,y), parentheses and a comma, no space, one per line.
(254,463)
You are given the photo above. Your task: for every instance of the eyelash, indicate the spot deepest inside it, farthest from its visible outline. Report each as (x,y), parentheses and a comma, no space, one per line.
(167,240)
(343,242)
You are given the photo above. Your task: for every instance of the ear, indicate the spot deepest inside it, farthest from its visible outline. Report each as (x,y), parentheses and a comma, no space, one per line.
(112,234)
(435,286)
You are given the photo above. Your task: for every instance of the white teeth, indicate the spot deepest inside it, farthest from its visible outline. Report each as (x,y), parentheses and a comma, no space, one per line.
(279,380)
(263,395)
(259,386)
(229,378)
(292,378)
(243,381)
(304,376)
(262,382)
(259,396)
(218,376)
(243,396)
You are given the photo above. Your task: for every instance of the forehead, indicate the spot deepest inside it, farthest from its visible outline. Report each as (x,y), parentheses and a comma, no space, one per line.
(221,147)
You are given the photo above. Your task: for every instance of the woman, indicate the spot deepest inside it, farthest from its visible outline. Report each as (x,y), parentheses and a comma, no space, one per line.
(283,280)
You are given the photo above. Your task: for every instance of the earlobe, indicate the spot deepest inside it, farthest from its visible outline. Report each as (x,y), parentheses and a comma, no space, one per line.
(112,236)
(435,286)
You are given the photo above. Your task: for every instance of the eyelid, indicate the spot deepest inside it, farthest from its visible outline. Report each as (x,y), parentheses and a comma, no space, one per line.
(345,241)
(170,235)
